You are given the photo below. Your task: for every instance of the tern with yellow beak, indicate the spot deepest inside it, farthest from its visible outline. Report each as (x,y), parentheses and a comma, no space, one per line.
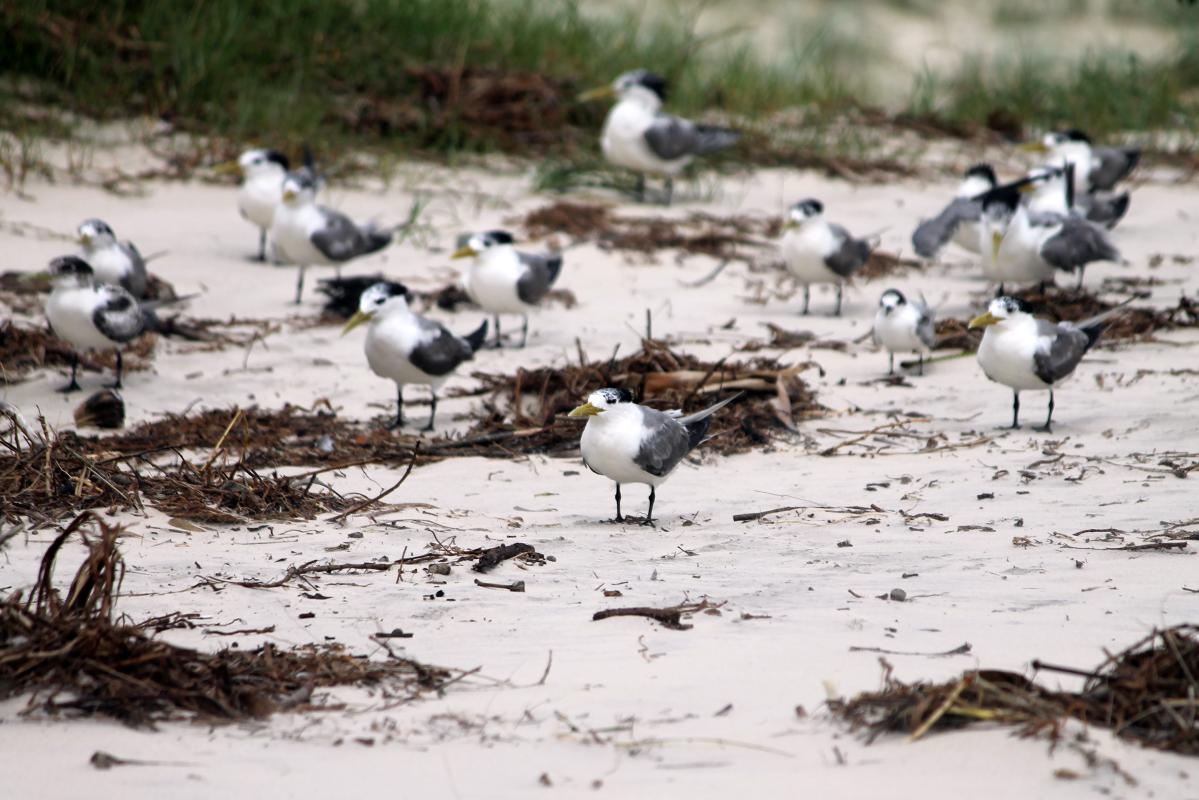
(631,443)
(1096,169)
(407,348)
(113,263)
(1025,353)
(306,234)
(815,250)
(638,136)
(503,280)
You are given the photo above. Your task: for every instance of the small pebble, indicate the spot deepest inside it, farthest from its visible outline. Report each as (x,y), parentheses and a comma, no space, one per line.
(899,595)
(355,534)
(439,569)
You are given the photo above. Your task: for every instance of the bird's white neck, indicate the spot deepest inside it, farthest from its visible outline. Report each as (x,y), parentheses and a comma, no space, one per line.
(973,185)
(640,98)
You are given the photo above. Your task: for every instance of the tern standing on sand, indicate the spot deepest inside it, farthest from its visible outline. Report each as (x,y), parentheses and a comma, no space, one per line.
(407,348)
(815,250)
(631,443)
(638,136)
(263,172)
(904,326)
(307,234)
(503,280)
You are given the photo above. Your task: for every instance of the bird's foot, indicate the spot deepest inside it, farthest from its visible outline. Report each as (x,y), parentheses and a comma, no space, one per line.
(395,425)
(1043,428)
(73,386)
(114,385)
(428,428)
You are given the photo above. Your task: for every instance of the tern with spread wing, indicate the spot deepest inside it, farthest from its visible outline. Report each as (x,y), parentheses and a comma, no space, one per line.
(407,348)
(815,250)
(958,222)
(638,136)
(503,280)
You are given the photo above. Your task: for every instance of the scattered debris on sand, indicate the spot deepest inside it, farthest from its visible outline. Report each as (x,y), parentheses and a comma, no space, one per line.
(1146,693)
(74,654)
(24,349)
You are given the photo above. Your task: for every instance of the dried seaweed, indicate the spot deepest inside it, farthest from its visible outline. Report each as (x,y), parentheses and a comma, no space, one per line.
(23,350)
(73,654)
(1146,693)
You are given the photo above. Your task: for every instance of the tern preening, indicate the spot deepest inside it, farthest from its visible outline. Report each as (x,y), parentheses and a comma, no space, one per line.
(1029,354)
(638,136)
(263,172)
(958,222)
(904,326)
(815,250)
(113,262)
(307,234)
(91,316)
(407,348)
(503,280)
(631,443)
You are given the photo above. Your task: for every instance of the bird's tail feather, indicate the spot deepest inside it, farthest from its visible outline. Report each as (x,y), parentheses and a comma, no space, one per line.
(709,411)
(476,337)
(712,138)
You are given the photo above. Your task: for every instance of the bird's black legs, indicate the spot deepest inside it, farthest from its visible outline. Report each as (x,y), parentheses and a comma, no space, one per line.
(619,518)
(261,244)
(669,190)
(640,188)
(300,285)
(524,330)
(432,412)
(73,386)
(890,363)
(999,293)
(807,298)
(399,421)
(649,517)
(920,363)
(1015,410)
(1048,426)
(1081,272)
(120,368)
(499,340)
(337,271)
(840,289)
(1043,287)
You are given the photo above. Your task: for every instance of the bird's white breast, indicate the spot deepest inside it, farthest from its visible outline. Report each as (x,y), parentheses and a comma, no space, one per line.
(492,282)
(389,341)
(109,264)
(623,140)
(69,311)
(610,442)
(897,331)
(804,249)
(258,197)
(291,228)
(1019,254)
(1006,354)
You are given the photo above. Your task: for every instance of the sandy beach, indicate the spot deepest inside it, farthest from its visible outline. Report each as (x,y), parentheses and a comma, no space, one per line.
(1006,544)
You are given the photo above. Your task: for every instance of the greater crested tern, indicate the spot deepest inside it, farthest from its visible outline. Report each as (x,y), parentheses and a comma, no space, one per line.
(958,222)
(1053,193)
(91,316)
(407,348)
(904,326)
(1095,168)
(638,136)
(113,262)
(815,250)
(307,234)
(1025,353)
(631,443)
(503,280)
(263,172)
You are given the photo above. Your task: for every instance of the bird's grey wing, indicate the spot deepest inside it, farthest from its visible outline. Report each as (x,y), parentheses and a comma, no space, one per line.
(1107,210)
(339,239)
(1076,244)
(850,253)
(672,137)
(665,441)
(119,317)
(1046,219)
(540,272)
(926,326)
(135,281)
(440,352)
(933,234)
(1111,165)
(1059,349)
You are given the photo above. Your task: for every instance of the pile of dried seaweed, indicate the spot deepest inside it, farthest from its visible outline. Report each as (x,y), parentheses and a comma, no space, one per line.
(1148,693)
(24,349)
(75,655)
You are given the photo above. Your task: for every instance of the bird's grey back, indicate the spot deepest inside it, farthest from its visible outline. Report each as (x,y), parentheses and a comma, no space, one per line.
(540,273)
(442,352)
(850,253)
(1059,349)
(1078,243)
(666,441)
(119,317)
(671,138)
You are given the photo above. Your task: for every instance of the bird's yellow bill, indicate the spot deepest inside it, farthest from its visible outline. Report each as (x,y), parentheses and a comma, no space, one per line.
(585,410)
(84,240)
(996,241)
(465,251)
(356,320)
(1034,147)
(227,168)
(790,225)
(983,320)
(289,195)
(598,93)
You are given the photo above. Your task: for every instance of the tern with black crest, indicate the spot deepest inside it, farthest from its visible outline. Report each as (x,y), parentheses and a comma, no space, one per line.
(263,172)
(958,222)
(503,280)
(815,250)
(407,348)
(631,443)
(904,326)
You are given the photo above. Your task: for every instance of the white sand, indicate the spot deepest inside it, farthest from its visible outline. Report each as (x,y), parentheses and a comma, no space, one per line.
(630,709)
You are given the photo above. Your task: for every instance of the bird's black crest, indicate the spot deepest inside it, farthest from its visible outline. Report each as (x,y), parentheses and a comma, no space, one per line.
(70,265)
(1075,135)
(99,224)
(810,206)
(278,158)
(1007,195)
(617,395)
(498,237)
(1013,304)
(303,177)
(898,295)
(983,171)
(652,81)
(393,288)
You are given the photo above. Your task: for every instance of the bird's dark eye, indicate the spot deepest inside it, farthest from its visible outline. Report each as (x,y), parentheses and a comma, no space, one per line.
(378,301)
